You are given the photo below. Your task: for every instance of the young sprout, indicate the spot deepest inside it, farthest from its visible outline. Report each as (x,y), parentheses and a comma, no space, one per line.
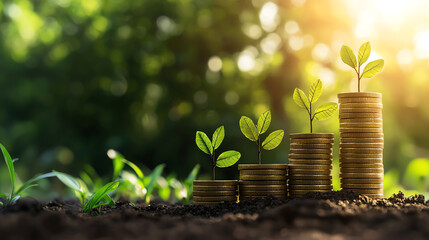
(99,198)
(16,194)
(324,111)
(225,159)
(370,70)
(253,132)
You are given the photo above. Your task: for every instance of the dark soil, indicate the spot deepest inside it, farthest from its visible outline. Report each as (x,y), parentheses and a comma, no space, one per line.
(337,215)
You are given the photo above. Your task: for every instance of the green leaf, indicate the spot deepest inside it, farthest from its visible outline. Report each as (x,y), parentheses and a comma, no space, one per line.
(227,159)
(135,168)
(325,111)
(315,91)
(203,143)
(301,99)
(218,137)
(31,183)
(264,122)
(9,164)
(69,181)
(193,174)
(348,56)
(156,173)
(118,164)
(248,128)
(273,140)
(99,195)
(364,52)
(372,68)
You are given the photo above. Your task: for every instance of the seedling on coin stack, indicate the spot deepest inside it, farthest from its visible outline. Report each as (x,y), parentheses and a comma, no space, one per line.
(361,129)
(310,158)
(210,192)
(258,180)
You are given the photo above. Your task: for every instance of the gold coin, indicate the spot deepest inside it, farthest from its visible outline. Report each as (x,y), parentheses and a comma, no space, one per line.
(360,155)
(310,156)
(310,187)
(361,125)
(293,171)
(311,135)
(362,181)
(310,182)
(375,196)
(215,193)
(361,130)
(362,150)
(362,140)
(310,161)
(263,183)
(361,120)
(366,191)
(366,186)
(360,115)
(312,140)
(309,166)
(215,182)
(360,95)
(263,172)
(309,177)
(302,192)
(261,166)
(361,135)
(311,151)
(361,145)
(214,188)
(361,105)
(362,175)
(311,146)
(263,187)
(361,170)
(262,193)
(281,197)
(263,177)
(360,165)
(360,110)
(361,161)
(359,100)
(214,199)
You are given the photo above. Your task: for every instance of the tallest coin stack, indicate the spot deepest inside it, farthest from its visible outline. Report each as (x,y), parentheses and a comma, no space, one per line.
(361,143)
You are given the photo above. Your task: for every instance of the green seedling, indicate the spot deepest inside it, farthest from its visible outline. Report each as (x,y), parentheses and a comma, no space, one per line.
(225,159)
(16,194)
(323,112)
(146,184)
(370,70)
(89,201)
(253,132)
(183,190)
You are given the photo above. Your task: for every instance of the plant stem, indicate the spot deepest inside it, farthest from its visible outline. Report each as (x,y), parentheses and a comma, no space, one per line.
(311,120)
(259,151)
(213,166)
(359,77)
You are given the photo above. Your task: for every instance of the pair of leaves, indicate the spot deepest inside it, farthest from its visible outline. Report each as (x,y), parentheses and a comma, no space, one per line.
(203,142)
(349,58)
(252,131)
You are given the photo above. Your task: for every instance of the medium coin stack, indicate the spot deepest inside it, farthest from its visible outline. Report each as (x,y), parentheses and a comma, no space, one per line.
(214,192)
(260,180)
(361,143)
(310,163)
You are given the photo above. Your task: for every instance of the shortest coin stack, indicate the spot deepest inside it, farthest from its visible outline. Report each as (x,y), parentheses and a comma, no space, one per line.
(260,180)
(207,192)
(310,163)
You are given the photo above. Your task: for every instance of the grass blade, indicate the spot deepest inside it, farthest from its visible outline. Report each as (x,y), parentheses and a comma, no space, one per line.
(9,164)
(94,201)
(31,183)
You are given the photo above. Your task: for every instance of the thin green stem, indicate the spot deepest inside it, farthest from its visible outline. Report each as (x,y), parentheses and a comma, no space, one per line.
(213,166)
(311,120)
(258,143)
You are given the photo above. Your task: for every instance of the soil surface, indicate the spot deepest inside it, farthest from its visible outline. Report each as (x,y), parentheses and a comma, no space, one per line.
(336,215)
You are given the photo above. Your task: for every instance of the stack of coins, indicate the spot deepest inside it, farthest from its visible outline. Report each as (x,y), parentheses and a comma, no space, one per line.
(361,143)
(208,192)
(310,163)
(260,180)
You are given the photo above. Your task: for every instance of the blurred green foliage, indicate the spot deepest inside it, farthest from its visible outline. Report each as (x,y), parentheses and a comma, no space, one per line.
(79,77)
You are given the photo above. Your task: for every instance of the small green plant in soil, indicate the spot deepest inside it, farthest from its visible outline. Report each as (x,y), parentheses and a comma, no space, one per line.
(89,201)
(370,70)
(16,194)
(253,132)
(324,111)
(225,159)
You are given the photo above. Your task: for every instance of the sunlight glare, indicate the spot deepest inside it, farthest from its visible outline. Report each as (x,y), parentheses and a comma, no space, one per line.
(269,17)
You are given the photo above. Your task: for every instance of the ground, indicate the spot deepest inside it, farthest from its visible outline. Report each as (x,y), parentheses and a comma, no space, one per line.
(337,215)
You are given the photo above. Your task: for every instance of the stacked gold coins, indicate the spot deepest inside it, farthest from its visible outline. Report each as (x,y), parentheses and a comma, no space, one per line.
(208,192)
(260,180)
(310,163)
(361,143)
